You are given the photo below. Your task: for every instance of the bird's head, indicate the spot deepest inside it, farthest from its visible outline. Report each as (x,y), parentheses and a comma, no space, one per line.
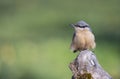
(81,25)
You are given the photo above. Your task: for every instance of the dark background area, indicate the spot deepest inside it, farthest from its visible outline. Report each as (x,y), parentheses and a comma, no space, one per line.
(35,36)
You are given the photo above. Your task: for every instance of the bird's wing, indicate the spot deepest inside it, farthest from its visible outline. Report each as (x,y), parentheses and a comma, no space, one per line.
(72,43)
(73,37)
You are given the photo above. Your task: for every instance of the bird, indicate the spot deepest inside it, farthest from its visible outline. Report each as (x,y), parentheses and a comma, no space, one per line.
(83,38)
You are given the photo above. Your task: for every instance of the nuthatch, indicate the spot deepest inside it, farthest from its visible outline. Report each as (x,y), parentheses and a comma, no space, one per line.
(83,38)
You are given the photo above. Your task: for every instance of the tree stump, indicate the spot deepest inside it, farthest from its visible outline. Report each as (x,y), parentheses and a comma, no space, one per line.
(86,66)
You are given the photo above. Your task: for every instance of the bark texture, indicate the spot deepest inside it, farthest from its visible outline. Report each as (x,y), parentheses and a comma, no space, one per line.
(86,66)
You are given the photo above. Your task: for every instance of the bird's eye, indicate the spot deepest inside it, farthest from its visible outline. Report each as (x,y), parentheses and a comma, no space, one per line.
(81,26)
(84,26)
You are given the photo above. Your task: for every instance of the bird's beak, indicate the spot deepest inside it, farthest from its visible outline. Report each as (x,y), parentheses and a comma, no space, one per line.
(72,25)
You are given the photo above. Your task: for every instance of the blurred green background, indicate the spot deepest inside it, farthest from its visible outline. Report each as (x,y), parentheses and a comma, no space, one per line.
(35,36)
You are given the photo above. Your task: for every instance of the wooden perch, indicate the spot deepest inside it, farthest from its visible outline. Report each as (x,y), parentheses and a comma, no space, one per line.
(86,66)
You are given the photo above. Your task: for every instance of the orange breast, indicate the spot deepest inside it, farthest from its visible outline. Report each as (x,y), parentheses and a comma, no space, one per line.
(85,40)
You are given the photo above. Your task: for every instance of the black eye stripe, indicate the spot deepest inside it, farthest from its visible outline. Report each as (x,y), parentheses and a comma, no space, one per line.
(81,26)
